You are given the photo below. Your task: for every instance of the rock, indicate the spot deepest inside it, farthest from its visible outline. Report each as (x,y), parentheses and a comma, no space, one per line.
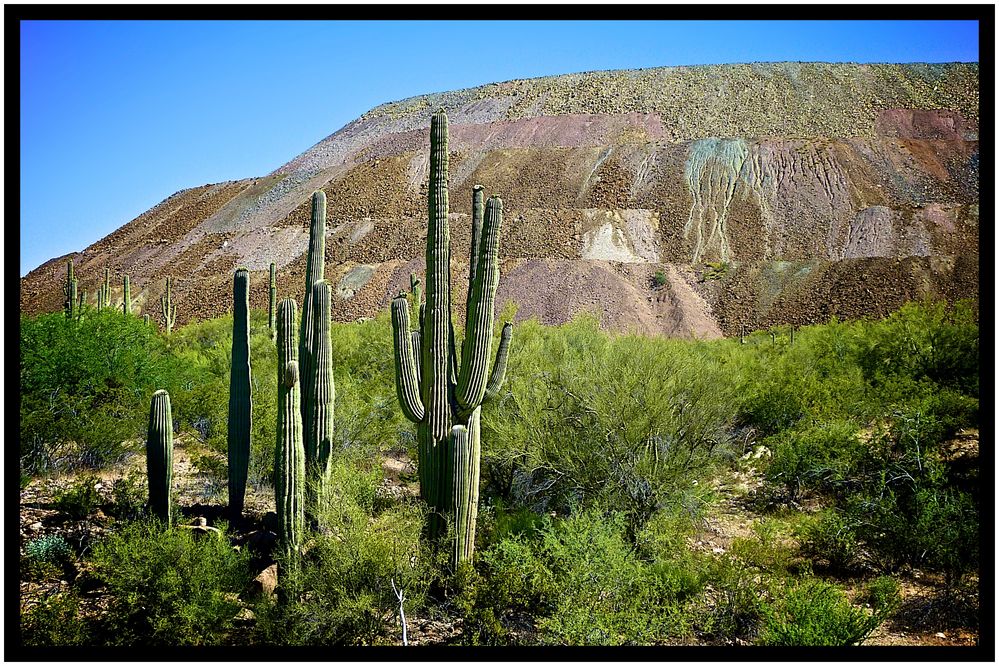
(245,615)
(266,583)
(35,527)
(940,634)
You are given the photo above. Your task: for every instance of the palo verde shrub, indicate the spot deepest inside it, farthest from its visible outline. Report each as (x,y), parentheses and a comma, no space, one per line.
(815,613)
(168,586)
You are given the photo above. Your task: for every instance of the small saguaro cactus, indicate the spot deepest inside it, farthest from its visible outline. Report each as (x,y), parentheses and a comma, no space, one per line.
(239,393)
(145,319)
(319,411)
(69,290)
(445,397)
(106,288)
(81,304)
(791,341)
(272,301)
(289,455)
(126,303)
(314,271)
(159,455)
(742,334)
(168,307)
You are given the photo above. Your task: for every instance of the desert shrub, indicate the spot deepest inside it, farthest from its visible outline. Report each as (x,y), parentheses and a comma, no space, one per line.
(169,587)
(660,279)
(815,613)
(830,536)
(54,621)
(80,499)
(340,593)
(821,457)
(883,594)
(770,549)
(594,420)
(84,388)
(49,548)
(129,495)
(733,606)
(584,583)
(928,340)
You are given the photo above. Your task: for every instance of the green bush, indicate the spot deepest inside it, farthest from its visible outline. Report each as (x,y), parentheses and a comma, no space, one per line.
(129,495)
(585,583)
(169,587)
(54,621)
(816,613)
(49,548)
(80,499)
(832,537)
(340,593)
(822,457)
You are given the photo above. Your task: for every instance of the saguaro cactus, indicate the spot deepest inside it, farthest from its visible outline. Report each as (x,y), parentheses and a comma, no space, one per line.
(106,288)
(69,291)
(289,456)
(145,319)
(272,309)
(239,393)
(159,455)
(82,302)
(168,307)
(126,304)
(445,397)
(314,270)
(319,410)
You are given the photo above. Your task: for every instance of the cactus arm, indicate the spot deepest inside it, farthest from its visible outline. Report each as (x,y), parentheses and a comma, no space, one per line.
(436,356)
(499,367)
(289,457)
(240,411)
(477,221)
(477,345)
(159,455)
(407,384)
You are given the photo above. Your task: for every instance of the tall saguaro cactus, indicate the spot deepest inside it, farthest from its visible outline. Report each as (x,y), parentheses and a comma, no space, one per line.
(289,456)
(319,409)
(239,393)
(444,397)
(159,455)
(314,272)
(168,307)
(272,301)
(126,304)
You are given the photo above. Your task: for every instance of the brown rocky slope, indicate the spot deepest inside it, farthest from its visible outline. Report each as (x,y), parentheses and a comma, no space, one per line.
(759,194)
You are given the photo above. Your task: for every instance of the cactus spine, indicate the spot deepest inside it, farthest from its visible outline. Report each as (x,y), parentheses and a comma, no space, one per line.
(313,273)
(272,309)
(289,457)
(126,304)
(159,455)
(319,410)
(239,393)
(168,307)
(444,397)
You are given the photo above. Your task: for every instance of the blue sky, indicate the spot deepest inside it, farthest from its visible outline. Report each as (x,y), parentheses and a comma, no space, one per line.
(118,115)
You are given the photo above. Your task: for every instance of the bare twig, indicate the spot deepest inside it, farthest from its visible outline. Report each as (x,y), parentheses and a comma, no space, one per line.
(401,596)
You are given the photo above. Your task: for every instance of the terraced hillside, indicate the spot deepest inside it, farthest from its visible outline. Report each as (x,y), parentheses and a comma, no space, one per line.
(685,201)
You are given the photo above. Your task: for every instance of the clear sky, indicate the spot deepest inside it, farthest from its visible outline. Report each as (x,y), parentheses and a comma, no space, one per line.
(118,115)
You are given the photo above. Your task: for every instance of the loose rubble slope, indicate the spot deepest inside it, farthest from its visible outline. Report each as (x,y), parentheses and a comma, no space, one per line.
(757,194)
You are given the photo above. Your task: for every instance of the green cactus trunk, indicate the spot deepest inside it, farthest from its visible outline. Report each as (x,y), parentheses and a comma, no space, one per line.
(69,291)
(126,304)
(100,298)
(272,302)
(289,457)
(106,288)
(145,319)
(159,455)
(319,410)
(437,390)
(168,308)
(239,393)
(81,304)
(314,270)
(414,289)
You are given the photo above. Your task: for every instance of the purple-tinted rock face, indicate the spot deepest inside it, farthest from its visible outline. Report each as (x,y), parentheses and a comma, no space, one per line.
(760,194)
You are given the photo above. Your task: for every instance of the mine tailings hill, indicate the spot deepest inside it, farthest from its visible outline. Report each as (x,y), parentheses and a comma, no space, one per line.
(681,201)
